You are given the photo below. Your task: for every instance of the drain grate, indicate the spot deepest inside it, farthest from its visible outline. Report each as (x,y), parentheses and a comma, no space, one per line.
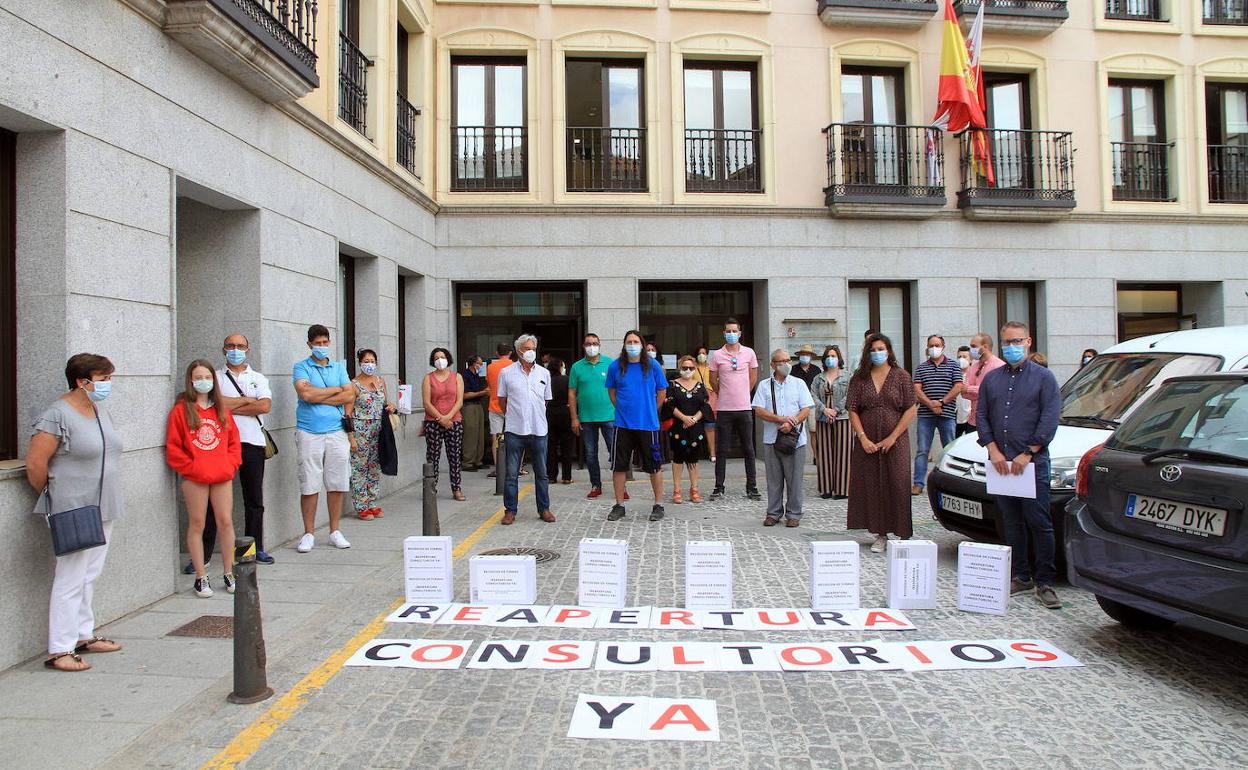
(207,627)
(542,554)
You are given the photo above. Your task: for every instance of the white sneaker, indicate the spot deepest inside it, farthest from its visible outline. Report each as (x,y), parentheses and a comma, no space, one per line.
(203,589)
(305,543)
(881,542)
(337,540)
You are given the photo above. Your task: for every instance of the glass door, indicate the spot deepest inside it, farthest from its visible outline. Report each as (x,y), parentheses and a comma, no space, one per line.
(606,133)
(884,307)
(1009,117)
(874,97)
(1227,131)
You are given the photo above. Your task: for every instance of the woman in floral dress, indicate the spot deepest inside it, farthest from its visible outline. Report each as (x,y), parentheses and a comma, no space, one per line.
(371,407)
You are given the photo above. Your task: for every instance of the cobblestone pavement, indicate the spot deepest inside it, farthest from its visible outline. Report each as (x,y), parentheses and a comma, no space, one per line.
(1178,699)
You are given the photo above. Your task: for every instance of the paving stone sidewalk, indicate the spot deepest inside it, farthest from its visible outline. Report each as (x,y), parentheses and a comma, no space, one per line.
(1178,699)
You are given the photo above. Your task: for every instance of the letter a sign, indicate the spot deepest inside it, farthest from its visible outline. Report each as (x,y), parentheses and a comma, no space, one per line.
(644,719)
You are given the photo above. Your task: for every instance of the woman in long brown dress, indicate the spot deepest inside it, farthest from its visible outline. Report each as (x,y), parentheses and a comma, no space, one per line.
(881,406)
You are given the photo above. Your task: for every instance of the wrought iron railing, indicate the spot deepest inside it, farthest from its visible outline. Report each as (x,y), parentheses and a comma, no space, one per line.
(353,84)
(1230,12)
(1015,7)
(1228,173)
(489,158)
(1027,166)
(405,134)
(881,4)
(870,161)
(723,160)
(1133,10)
(606,159)
(1141,170)
(289,28)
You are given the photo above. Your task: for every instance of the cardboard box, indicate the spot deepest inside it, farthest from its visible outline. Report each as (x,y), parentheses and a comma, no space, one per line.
(910,573)
(503,579)
(603,573)
(834,575)
(984,577)
(427,574)
(708,575)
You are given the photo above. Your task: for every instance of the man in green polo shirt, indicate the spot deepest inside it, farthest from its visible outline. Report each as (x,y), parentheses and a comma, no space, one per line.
(591,407)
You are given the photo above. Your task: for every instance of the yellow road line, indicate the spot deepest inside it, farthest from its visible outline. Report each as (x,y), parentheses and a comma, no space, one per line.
(253,736)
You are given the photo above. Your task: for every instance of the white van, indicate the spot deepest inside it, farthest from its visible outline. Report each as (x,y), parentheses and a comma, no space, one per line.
(1094,401)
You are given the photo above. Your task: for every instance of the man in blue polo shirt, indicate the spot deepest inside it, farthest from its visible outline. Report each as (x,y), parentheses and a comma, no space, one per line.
(326,399)
(637,387)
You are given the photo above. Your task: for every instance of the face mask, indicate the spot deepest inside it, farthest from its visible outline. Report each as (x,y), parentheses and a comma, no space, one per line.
(1086,360)
(438,363)
(701,358)
(804,359)
(879,357)
(632,351)
(529,356)
(652,353)
(372,368)
(1013,354)
(732,337)
(830,362)
(563,371)
(202,386)
(686,373)
(975,353)
(102,389)
(964,362)
(591,351)
(935,352)
(235,357)
(320,352)
(784,369)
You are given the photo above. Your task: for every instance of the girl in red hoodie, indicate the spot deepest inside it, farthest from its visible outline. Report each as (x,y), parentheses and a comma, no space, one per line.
(202,445)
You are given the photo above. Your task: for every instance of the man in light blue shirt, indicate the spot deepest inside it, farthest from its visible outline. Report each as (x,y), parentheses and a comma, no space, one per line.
(783,402)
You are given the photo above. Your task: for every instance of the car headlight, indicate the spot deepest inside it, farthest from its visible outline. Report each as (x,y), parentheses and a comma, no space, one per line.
(1062,472)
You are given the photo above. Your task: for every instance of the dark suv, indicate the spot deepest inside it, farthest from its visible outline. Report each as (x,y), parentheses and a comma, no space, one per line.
(1157,529)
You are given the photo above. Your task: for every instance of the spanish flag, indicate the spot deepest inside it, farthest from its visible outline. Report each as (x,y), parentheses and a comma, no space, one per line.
(957,104)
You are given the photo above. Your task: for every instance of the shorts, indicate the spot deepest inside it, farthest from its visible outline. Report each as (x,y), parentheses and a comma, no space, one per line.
(324,461)
(644,442)
(496,424)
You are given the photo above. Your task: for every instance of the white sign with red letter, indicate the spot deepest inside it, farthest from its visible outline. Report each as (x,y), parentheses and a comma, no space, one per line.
(644,719)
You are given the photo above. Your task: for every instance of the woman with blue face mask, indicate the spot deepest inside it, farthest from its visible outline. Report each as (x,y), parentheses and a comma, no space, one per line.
(371,407)
(476,394)
(833,435)
(881,404)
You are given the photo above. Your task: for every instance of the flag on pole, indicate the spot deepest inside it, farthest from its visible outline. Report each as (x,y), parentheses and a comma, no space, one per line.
(981,158)
(957,103)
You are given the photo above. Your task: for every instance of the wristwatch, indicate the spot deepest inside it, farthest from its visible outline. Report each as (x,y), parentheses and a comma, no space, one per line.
(1027,451)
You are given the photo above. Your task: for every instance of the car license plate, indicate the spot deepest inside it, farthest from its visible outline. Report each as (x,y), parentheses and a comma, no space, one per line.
(1180,517)
(962,506)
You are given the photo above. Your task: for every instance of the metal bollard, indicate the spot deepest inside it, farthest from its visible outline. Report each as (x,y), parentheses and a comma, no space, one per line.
(250,682)
(430,525)
(500,467)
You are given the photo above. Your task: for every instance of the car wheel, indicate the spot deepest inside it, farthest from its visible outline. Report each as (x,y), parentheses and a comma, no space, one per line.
(1131,617)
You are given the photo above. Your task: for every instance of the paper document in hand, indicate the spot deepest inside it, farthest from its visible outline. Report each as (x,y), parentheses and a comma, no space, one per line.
(1022,485)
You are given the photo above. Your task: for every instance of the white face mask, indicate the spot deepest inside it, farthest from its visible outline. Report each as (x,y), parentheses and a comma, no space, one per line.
(701,358)
(591,351)
(202,386)
(652,353)
(529,356)
(370,367)
(935,352)
(438,363)
(964,362)
(686,373)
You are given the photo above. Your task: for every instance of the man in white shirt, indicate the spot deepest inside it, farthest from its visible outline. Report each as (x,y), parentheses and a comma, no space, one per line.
(523,390)
(783,402)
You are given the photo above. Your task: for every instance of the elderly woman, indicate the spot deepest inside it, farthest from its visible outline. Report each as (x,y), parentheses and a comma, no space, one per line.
(75,461)
(371,407)
(834,439)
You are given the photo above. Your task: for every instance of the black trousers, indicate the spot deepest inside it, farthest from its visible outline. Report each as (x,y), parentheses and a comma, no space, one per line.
(560,451)
(741,425)
(251,479)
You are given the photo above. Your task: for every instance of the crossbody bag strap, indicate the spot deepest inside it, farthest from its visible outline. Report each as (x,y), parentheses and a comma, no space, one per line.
(99,497)
(240,393)
(342,410)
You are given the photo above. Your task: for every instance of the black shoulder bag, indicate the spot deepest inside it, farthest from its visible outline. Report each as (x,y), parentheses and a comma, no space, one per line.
(786,443)
(270,446)
(81,528)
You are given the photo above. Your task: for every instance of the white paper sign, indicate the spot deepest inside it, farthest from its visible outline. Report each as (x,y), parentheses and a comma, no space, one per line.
(427,575)
(411,653)
(983,577)
(708,575)
(566,616)
(834,570)
(1009,485)
(417,613)
(503,579)
(603,573)
(405,399)
(644,719)
(911,574)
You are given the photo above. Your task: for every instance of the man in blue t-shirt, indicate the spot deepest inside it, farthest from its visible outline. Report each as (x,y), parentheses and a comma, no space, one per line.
(637,387)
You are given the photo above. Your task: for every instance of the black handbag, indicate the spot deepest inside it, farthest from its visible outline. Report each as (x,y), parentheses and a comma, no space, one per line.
(81,528)
(786,443)
(270,446)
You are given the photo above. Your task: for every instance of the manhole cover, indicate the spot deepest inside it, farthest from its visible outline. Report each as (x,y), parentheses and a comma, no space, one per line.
(542,554)
(207,627)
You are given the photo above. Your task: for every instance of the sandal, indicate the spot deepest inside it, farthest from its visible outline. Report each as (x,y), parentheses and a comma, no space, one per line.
(694,497)
(676,498)
(378,513)
(365,515)
(87,646)
(458,495)
(51,662)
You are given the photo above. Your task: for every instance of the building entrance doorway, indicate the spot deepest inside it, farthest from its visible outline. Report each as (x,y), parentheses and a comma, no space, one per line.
(487,314)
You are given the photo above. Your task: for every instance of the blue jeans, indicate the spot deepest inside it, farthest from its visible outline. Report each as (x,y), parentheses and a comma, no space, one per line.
(1029,529)
(946,426)
(589,437)
(517,447)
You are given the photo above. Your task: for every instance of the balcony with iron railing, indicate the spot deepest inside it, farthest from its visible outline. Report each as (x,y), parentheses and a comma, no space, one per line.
(489,159)
(1141,170)
(1032,174)
(1229,13)
(884,170)
(606,159)
(876,13)
(405,134)
(1228,173)
(723,160)
(1134,10)
(1020,17)
(269,46)
(353,84)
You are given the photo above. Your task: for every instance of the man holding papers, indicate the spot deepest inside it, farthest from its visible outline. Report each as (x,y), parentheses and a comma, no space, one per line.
(1016,416)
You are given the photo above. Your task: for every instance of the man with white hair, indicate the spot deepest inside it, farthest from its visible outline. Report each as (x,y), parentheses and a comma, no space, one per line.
(523,390)
(783,402)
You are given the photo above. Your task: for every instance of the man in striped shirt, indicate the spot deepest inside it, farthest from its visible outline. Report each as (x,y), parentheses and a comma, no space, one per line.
(937,383)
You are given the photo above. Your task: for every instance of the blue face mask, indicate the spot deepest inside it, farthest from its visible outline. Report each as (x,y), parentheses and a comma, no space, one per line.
(320,352)
(632,350)
(830,361)
(235,357)
(481,370)
(732,337)
(1013,354)
(879,357)
(102,389)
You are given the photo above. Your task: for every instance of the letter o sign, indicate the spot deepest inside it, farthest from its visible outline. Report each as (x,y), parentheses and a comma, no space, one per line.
(823,657)
(421,654)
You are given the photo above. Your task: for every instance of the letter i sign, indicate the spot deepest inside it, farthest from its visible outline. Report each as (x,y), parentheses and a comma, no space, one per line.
(644,719)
